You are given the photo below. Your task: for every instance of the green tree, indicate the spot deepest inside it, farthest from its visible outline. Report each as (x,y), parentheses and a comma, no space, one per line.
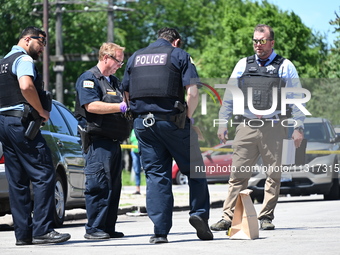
(326,91)
(14,17)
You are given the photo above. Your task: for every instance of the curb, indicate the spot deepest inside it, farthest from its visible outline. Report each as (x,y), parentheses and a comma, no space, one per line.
(124,210)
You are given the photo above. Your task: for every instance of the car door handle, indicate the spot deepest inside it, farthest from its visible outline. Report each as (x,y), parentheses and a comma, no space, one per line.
(60,144)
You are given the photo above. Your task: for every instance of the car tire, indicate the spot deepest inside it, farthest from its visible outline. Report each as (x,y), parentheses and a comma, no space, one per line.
(59,211)
(181,179)
(334,192)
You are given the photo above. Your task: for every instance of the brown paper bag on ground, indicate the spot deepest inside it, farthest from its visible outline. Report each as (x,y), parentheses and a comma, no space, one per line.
(245,224)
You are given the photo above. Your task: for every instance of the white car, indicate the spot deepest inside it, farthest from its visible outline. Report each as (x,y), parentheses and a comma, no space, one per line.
(319,174)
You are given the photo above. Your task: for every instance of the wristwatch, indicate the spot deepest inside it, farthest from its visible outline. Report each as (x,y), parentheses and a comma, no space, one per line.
(300,129)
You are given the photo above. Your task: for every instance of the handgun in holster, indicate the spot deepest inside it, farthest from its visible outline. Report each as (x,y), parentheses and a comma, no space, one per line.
(37,121)
(85,138)
(34,125)
(180,118)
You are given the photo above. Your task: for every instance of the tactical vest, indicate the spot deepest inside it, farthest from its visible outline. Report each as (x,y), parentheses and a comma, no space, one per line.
(153,74)
(114,125)
(262,80)
(9,86)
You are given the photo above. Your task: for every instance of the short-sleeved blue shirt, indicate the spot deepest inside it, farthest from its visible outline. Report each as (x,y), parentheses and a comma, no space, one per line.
(181,60)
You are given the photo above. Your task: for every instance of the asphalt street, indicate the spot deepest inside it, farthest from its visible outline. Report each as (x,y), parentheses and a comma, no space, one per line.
(304,225)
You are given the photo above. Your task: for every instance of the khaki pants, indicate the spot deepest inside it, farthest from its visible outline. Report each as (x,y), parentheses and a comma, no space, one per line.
(249,143)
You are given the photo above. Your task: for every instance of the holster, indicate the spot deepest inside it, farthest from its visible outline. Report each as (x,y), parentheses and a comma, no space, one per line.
(85,139)
(36,121)
(34,125)
(181,117)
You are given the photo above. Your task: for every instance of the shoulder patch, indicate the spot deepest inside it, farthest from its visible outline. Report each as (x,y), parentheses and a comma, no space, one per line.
(27,58)
(88,84)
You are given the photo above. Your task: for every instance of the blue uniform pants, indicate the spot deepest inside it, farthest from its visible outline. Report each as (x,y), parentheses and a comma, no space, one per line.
(103,185)
(28,161)
(159,145)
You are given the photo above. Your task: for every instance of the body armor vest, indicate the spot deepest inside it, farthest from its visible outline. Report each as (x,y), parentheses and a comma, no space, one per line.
(114,125)
(9,86)
(153,74)
(262,80)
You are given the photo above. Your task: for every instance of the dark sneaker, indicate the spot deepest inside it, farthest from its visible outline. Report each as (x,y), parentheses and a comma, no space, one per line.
(221,225)
(116,234)
(155,239)
(24,242)
(51,237)
(202,227)
(97,235)
(266,224)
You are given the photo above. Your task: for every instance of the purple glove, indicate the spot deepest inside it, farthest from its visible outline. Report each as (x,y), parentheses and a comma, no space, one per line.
(123,107)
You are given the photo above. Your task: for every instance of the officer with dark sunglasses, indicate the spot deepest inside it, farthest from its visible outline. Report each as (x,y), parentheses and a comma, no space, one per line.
(28,159)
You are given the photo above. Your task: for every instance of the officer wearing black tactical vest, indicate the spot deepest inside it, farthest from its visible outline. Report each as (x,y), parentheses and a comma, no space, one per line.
(24,106)
(261,78)
(156,78)
(263,81)
(100,107)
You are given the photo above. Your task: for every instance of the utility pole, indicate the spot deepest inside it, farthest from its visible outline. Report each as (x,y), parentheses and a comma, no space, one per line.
(59,58)
(59,65)
(110,22)
(46,55)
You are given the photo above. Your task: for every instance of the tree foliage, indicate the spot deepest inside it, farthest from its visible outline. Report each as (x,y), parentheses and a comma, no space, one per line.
(326,89)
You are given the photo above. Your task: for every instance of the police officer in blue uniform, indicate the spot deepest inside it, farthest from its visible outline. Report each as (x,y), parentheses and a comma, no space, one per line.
(100,102)
(156,78)
(28,159)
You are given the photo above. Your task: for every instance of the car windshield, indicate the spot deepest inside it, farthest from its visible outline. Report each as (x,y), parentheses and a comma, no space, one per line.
(314,132)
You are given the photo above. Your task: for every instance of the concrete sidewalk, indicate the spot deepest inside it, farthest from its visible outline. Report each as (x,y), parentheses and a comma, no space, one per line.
(131,203)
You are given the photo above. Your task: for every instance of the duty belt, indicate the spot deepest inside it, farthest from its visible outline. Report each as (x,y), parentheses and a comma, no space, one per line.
(150,118)
(100,137)
(13,113)
(156,116)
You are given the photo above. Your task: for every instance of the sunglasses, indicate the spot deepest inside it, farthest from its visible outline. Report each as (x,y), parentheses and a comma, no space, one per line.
(121,63)
(42,41)
(261,41)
